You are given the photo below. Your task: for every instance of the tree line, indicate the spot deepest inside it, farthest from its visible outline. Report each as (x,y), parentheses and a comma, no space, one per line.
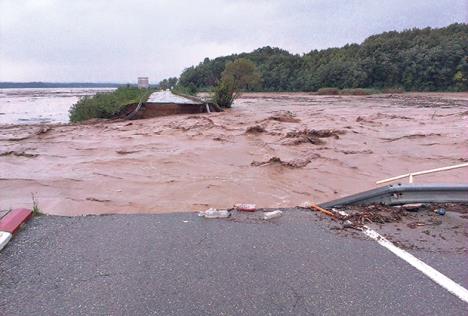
(414,60)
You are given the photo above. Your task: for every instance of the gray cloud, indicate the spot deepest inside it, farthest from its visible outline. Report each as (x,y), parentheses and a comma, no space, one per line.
(100,40)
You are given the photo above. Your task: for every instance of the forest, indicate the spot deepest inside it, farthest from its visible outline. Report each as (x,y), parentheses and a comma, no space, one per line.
(429,59)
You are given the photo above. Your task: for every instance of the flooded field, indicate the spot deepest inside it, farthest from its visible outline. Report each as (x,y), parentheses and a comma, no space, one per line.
(33,106)
(271,149)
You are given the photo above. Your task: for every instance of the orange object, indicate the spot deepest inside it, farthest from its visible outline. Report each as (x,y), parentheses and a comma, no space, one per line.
(318,208)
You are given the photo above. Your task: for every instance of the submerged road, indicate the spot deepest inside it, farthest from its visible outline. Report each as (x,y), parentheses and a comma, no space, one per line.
(180,264)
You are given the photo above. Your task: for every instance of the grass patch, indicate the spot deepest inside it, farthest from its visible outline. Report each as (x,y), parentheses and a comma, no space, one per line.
(106,105)
(35,209)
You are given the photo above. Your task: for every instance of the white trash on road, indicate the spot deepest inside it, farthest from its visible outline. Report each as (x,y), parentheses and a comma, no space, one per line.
(245,207)
(306,204)
(214,213)
(271,215)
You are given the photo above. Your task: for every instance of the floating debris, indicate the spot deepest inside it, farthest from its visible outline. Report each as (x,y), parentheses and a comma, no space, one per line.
(287,117)
(18,154)
(295,163)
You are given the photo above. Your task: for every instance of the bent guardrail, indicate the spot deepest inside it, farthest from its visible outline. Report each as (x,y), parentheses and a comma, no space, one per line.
(404,194)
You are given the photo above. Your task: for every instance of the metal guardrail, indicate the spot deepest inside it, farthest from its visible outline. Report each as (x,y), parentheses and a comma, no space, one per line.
(406,193)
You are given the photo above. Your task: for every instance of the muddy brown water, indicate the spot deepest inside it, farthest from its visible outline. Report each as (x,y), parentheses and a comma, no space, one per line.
(271,149)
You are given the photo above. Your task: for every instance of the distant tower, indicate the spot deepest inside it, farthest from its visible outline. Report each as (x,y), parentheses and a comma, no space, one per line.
(143,82)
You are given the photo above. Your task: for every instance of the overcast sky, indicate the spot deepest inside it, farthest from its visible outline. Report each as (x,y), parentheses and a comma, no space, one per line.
(116,41)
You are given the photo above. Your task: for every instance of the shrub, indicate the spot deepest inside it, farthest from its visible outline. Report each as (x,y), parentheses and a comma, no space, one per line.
(393,90)
(358,91)
(106,105)
(224,94)
(190,89)
(328,91)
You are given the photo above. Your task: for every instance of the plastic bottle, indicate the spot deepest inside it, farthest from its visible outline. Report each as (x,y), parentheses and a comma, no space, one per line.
(273,214)
(440,211)
(214,213)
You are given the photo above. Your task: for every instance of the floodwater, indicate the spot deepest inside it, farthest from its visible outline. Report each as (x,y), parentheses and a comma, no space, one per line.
(34,106)
(271,149)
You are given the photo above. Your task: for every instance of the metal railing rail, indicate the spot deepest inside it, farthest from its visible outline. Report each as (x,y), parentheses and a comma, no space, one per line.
(411,175)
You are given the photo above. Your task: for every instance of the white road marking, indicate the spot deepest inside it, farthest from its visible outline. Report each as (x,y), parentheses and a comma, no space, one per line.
(4,239)
(448,284)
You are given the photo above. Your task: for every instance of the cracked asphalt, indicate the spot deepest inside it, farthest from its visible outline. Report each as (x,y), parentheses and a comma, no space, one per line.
(181,264)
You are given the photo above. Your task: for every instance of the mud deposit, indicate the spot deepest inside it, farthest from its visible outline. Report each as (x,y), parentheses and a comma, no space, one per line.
(274,150)
(421,228)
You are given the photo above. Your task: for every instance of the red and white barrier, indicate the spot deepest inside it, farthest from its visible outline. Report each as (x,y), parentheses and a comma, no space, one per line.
(11,223)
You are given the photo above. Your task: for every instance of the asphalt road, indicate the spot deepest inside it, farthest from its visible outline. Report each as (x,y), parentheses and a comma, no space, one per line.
(180,264)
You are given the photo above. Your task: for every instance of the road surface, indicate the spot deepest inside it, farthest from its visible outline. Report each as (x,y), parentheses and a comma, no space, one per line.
(181,264)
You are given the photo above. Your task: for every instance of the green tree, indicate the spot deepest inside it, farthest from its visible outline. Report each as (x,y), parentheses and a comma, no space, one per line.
(461,76)
(168,83)
(415,59)
(240,74)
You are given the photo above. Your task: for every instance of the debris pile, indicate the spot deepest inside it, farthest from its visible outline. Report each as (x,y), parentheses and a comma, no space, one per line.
(295,163)
(419,214)
(286,117)
(380,214)
(18,154)
(256,129)
(312,136)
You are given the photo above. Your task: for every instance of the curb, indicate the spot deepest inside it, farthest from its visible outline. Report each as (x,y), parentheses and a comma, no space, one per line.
(11,223)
